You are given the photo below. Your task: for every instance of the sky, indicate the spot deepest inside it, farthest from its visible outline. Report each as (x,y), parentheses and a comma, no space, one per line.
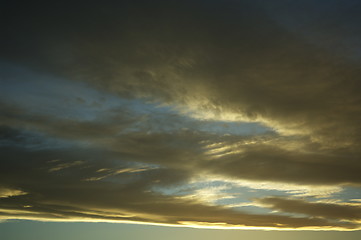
(180,119)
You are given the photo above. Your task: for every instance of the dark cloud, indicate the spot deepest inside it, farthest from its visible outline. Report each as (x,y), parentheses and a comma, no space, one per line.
(264,159)
(227,57)
(67,193)
(267,162)
(213,60)
(66,196)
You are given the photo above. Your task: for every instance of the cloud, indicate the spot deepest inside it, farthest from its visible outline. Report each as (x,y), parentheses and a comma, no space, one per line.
(299,190)
(65,196)
(213,59)
(122,96)
(126,195)
(258,161)
(254,158)
(8,192)
(324,210)
(62,166)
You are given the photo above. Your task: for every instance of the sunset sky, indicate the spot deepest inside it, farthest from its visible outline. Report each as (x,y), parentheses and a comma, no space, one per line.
(179,119)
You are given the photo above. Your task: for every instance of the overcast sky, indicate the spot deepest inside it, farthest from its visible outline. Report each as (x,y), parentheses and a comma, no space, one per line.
(209,114)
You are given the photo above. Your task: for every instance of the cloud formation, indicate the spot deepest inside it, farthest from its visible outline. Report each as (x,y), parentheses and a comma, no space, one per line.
(114,112)
(324,210)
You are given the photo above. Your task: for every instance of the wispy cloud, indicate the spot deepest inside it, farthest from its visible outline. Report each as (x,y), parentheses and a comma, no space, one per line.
(317,209)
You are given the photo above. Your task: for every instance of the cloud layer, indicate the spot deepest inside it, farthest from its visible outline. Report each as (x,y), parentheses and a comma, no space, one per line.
(114,112)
